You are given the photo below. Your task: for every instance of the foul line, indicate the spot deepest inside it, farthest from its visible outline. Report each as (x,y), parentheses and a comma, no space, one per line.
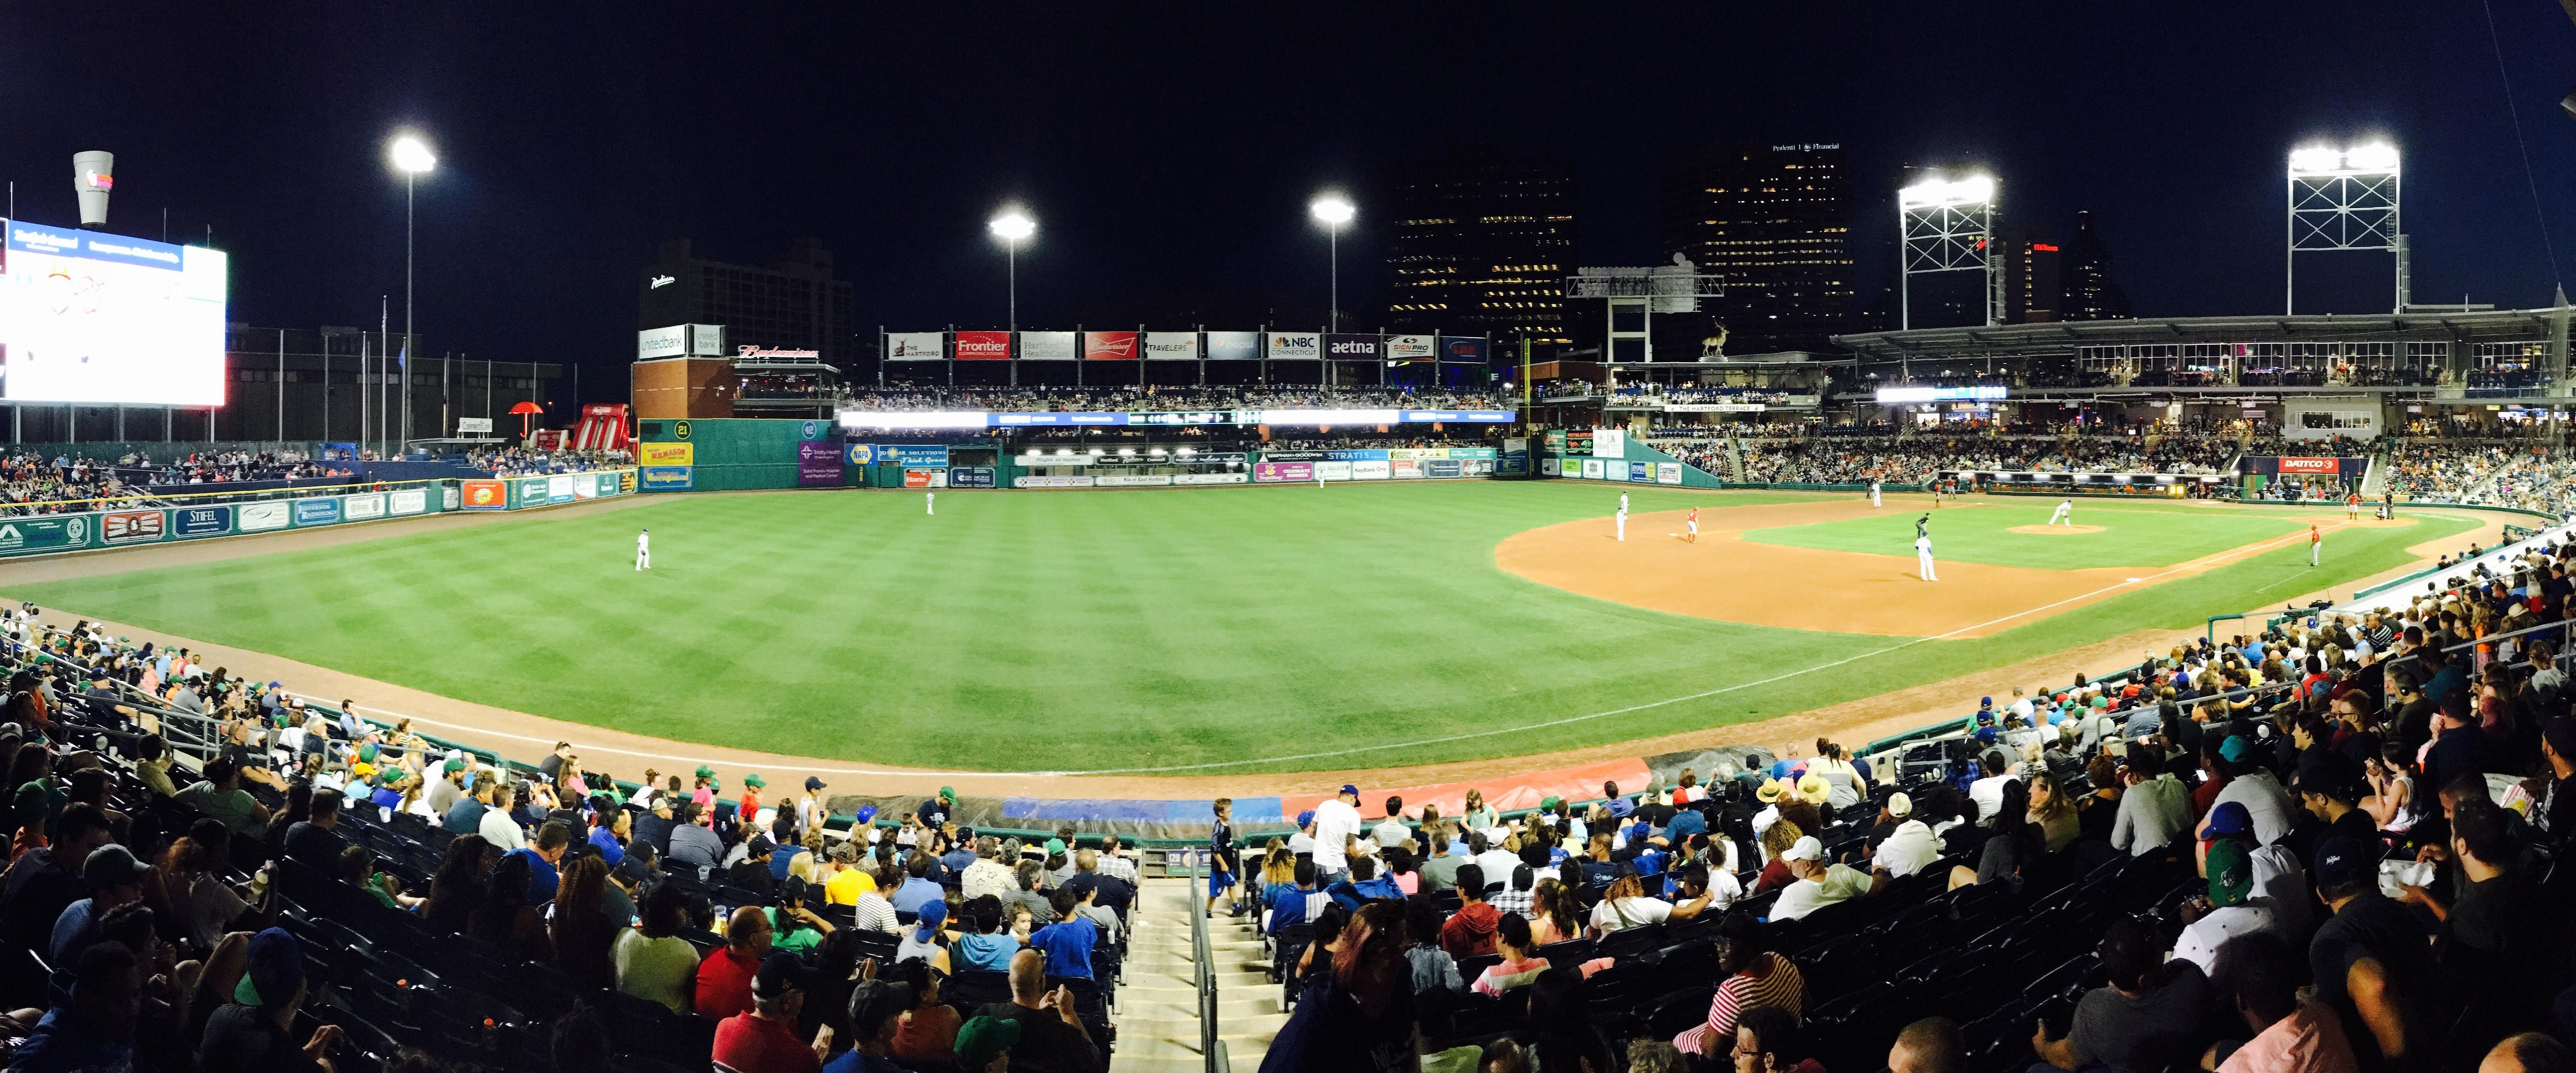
(2197,564)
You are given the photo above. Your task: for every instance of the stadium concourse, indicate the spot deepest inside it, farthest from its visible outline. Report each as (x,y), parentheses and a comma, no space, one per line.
(2327,846)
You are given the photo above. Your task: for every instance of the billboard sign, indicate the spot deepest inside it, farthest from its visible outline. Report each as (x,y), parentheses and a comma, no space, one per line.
(1171,346)
(1411,348)
(970,477)
(862,454)
(262,517)
(667,478)
(1348,347)
(408,501)
(494,495)
(707,340)
(1445,467)
(1641,472)
(818,464)
(201,521)
(1110,346)
(2308,465)
(668,342)
(928,346)
(317,511)
(1609,443)
(361,508)
(1046,346)
(934,455)
(36,534)
(1270,472)
(1462,348)
(1051,482)
(665,454)
(1668,473)
(481,426)
(1296,346)
(1233,346)
(925,477)
(559,488)
(88,316)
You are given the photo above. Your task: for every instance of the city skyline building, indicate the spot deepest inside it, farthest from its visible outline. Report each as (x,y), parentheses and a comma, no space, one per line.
(1482,243)
(2084,269)
(1774,223)
(793,303)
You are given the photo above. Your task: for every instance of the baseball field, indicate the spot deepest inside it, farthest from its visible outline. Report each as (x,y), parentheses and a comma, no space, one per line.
(1204,631)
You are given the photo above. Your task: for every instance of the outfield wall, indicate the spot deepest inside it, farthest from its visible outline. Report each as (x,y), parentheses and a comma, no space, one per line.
(222,514)
(1613,455)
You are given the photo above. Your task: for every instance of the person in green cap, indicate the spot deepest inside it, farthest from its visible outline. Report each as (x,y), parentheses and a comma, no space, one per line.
(984,1044)
(751,786)
(2232,906)
(934,812)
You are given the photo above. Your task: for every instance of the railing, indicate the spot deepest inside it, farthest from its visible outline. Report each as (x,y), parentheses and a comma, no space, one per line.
(1211,1047)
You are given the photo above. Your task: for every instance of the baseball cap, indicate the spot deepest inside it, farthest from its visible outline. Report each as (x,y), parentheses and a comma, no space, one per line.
(983,1039)
(779,973)
(452,766)
(813,783)
(275,974)
(759,846)
(1054,846)
(2236,749)
(2231,872)
(1550,804)
(931,914)
(754,780)
(949,792)
(1985,717)
(2344,860)
(112,865)
(2230,818)
(1769,792)
(706,772)
(1986,735)
(867,813)
(1347,788)
(29,805)
(1806,848)
(1985,702)
(1899,805)
(1303,818)
(873,1001)
(633,870)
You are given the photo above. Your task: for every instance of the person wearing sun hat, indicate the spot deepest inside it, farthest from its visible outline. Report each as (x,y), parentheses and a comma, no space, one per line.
(1813,789)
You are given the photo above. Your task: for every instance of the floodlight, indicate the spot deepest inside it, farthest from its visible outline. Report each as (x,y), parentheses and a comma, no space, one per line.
(2314,159)
(1189,450)
(1013,226)
(410,154)
(1333,210)
(1126,452)
(1934,190)
(1158,452)
(1063,451)
(2375,157)
(1097,452)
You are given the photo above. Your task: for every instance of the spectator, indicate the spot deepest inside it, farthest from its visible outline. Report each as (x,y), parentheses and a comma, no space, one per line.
(2144,1020)
(985,945)
(553,837)
(692,843)
(219,794)
(2529,1052)
(1360,1017)
(1520,965)
(1751,976)
(458,885)
(1931,1045)
(2369,962)
(1391,831)
(1433,969)
(1469,931)
(1767,1039)
(41,882)
(1909,845)
(725,977)
(1440,871)
(763,1039)
(918,886)
(249,1034)
(113,878)
(985,1044)
(2258,978)
(1337,825)
(654,962)
(928,1031)
(1291,904)
(2253,786)
(504,918)
(1817,884)
(1068,943)
(1052,1038)
(581,935)
(91,1030)
(2232,907)
(2155,809)
(987,875)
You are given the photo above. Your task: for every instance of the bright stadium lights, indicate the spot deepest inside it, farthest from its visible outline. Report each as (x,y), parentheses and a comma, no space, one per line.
(1158,452)
(1333,210)
(1097,452)
(1947,225)
(2375,158)
(1187,451)
(1013,227)
(1032,453)
(2344,199)
(886,419)
(1935,191)
(1129,452)
(1064,451)
(411,156)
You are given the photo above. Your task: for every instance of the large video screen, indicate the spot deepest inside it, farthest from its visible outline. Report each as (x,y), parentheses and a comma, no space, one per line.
(92,317)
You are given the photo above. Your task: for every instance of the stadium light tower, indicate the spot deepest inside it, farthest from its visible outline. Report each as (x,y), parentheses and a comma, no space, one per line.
(1333,211)
(1013,227)
(411,156)
(2343,199)
(1948,226)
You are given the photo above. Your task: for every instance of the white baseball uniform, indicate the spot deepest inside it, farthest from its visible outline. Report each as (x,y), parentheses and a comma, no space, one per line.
(644,551)
(2064,508)
(1873,492)
(1923,558)
(930,502)
(1623,522)
(1623,502)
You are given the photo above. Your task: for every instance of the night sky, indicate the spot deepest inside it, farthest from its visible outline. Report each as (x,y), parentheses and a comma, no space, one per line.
(1168,153)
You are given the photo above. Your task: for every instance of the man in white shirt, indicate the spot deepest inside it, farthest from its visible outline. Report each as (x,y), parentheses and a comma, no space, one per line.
(2231,909)
(2022,707)
(1988,793)
(1911,846)
(1496,861)
(2265,802)
(1337,822)
(1391,831)
(1817,884)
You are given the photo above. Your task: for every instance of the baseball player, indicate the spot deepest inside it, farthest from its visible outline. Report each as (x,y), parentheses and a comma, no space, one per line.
(1623,502)
(2352,506)
(1873,493)
(2316,540)
(2064,508)
(1923,557)
(1692,523)
(644,550)
(1623,520)
(1923,527)
(930,502)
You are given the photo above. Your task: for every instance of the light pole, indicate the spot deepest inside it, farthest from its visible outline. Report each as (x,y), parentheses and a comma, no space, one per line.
(1333,210)
(1947,226)
(1013,227)
(2343,199)
(413,157)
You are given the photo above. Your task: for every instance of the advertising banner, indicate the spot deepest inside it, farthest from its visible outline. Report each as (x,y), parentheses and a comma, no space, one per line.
(1109,346)
(408,501)
(668,342)
(559,488)
(1375,469)
(201,521)
(1641,472)
(1444,467)
(925,477)
(935,455)
(1233,346)
(585,488)
(1356,454)
(1333,471)
(1267,472)
(1171,346)
(262,517)
(361,508)
(448,495)
(970,477)
(1404,468)
(1296,346)
(317,511)
(1462,348)
(665,454)
(1046,346)
(862,454)
(1668,473)
(667,478)
(1057,418)
(1591,469)
(818,464)
(39,534)
(1547,466)
(1349,347)
(532,491)
(925,346)
(1208,478)
(1476,417)
(2308,465)
(493,495)
(1292,456)
(1576,442)
(609,484)
(1051,482)
(1133,480)
(979,346)
(1609,443)
(707,340)
(1411,347)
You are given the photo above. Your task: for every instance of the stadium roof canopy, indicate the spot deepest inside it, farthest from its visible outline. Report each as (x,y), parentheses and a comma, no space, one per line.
(2476,325)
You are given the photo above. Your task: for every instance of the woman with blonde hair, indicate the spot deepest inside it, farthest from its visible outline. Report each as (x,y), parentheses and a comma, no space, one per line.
(2053,812)
(1278,865)
(1478,815)
(1775,841)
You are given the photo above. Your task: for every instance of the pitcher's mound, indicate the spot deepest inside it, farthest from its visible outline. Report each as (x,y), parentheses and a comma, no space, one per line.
(2044,530)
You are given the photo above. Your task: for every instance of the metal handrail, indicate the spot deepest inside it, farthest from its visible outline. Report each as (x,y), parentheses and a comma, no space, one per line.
(1211,1047)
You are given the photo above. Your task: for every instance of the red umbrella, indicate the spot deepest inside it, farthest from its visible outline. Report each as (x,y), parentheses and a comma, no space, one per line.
(523,410)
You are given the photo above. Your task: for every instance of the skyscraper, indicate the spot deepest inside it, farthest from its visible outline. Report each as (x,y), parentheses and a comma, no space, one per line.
(2033,274)
(2085,271)
(1774,222)
(1483,242)
(793,304)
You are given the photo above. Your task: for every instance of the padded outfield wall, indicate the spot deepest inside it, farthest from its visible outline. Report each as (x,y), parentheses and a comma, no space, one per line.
(725,454)
(1610,454)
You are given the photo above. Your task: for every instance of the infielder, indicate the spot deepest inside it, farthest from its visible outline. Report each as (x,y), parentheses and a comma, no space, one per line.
(1693,523)
(1623,502)
(1623,520)
(1923,558)
(2316,540)
(1873,492)
(2352,506)
(644,550)
(930,502)
(2064,508)
(1922,527)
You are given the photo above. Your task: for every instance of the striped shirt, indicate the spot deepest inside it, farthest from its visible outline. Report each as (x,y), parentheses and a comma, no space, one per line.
(1779,985)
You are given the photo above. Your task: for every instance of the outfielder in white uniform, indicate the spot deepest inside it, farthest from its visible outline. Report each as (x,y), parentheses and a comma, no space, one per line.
(930,502)
(1923,558)
(2064,508)
(1873,492)
(1623,520)
(644,550)
(1623,502)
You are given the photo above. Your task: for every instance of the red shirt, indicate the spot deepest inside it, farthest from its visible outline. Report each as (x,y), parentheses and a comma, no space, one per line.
(755,1044)
(724,983)
(1470,930)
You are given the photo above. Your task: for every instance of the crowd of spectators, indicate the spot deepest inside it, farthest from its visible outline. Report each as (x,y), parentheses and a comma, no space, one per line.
(33,484)
(1140,399)
(1895,459)
(524,461)
(223,467)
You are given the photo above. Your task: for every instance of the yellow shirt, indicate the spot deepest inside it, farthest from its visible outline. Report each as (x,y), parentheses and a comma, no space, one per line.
(845,886)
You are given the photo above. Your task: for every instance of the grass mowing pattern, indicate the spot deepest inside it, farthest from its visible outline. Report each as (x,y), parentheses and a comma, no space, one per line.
(2137,534)
(1085,630)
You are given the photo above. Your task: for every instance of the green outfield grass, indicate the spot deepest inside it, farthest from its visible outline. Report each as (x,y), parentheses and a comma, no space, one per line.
(1262,628)
(2145,533)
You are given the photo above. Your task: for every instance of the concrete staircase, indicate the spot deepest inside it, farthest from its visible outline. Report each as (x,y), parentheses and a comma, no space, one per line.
(1158,1009)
